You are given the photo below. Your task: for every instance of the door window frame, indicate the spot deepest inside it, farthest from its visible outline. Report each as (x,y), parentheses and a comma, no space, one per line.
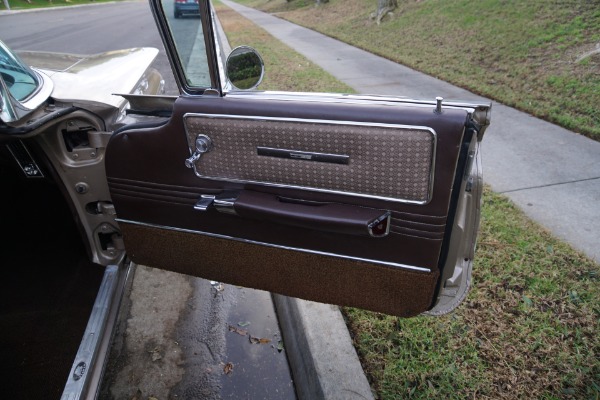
(212,53)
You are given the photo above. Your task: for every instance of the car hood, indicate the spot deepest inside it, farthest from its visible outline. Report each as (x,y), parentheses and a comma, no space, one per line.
(93,78)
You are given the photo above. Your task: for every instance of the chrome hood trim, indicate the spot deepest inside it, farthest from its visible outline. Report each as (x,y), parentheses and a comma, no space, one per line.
(93,78)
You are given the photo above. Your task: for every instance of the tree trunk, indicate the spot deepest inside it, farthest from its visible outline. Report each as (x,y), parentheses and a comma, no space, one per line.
(383,8)
(322,1)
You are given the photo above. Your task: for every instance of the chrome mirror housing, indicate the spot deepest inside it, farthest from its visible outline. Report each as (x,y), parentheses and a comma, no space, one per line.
(245,68)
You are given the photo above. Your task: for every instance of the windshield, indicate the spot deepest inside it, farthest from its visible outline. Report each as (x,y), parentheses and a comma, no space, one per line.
(19,79)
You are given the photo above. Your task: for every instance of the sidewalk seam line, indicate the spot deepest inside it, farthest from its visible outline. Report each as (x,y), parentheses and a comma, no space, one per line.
(549,185)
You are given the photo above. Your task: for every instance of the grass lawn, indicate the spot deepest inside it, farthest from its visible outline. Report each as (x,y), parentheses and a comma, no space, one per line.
(529,327)
(23,4)
(522,53)
(284,68)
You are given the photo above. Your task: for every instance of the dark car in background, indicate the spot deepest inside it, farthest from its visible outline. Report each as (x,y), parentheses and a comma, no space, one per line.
(185,7)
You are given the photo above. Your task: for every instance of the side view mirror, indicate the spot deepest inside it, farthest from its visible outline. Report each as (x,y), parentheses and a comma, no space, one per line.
(245,68)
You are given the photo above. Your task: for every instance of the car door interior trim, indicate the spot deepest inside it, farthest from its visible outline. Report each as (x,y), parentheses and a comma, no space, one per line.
(480,112)
(416,225)
(303,155)
(322,253)
(429,130)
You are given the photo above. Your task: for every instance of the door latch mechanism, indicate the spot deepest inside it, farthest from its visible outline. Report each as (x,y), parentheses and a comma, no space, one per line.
(203,145)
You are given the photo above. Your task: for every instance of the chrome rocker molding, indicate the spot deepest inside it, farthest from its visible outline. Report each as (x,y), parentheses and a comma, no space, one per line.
(321,253)
(324,122)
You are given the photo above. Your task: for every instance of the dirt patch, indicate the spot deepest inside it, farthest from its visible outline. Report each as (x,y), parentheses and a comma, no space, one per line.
(152,357)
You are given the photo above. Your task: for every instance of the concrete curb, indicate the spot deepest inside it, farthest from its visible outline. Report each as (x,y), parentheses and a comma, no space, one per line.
(322,357)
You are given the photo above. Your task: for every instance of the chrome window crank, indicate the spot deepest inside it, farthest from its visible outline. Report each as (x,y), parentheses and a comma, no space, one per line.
(203,145)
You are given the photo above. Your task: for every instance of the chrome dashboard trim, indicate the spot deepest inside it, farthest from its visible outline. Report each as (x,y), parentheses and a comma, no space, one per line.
(330,122)
(317,252)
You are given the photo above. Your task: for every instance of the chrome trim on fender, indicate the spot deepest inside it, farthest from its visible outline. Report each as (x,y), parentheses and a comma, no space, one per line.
(324,122)
(317,252)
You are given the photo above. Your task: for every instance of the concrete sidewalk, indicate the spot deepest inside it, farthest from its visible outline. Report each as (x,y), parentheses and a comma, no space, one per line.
(317,341)
(552,174)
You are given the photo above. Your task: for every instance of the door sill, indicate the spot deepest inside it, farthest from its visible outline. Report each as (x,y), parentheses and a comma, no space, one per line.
(87,369)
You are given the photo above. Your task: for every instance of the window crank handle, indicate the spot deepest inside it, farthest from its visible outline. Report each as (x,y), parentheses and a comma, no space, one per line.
(203,145)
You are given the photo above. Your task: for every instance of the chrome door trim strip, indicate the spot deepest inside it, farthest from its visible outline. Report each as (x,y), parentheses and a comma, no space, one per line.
(86,372)
(324,122)
(325,97)
(302,155)
(479,110)
(277,246)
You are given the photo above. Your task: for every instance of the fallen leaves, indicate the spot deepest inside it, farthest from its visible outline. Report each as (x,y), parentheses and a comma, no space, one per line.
(257,340)
(155,354)
(228,368)
(237,330)
(253,339)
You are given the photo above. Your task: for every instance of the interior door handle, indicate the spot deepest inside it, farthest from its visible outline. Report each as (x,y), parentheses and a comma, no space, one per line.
(329,217)
(223,202)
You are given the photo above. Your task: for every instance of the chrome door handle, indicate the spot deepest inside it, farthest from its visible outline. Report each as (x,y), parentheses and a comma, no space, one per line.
(203,145)
(223,202)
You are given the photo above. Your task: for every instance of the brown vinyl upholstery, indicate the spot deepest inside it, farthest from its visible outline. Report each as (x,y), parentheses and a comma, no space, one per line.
(353,283)
(154,196)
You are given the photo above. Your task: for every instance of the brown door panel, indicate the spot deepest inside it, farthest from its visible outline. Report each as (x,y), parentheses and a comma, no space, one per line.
(411,247)
(154,195)
(298,274)
(157,155)
(363,159)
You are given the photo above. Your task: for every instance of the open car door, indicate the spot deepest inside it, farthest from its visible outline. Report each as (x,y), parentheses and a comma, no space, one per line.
(363,201)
